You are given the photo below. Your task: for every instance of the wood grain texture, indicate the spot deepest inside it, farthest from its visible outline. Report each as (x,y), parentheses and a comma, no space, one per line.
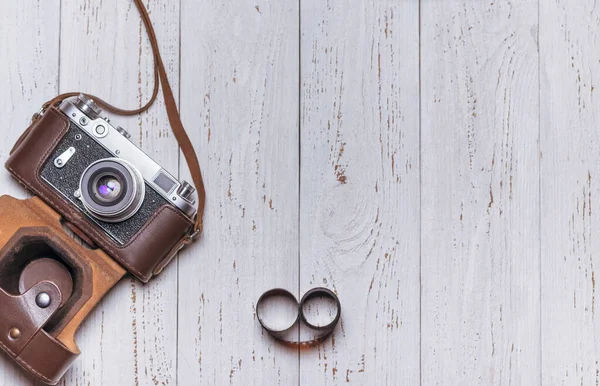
(360,187)
(131,337)
(570,167)
(240,105)
(29,58)
(429,161)
(480,193)
(29,37)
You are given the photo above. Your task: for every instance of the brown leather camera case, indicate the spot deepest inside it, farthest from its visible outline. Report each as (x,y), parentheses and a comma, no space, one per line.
(42,340)
(146,253)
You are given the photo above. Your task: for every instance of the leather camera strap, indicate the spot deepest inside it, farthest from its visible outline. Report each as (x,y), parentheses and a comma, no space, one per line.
(160,76)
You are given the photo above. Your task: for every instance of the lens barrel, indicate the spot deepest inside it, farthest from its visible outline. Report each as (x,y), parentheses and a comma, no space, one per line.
(112,190)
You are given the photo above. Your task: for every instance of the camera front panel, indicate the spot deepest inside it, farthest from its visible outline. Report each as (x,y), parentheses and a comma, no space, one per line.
(66,178)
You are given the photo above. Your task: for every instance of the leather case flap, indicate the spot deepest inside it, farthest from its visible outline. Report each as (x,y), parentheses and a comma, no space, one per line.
(22,318)
(22,336)
(46,358)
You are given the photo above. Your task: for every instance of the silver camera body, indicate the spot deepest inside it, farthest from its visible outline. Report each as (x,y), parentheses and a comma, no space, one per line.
(105,175)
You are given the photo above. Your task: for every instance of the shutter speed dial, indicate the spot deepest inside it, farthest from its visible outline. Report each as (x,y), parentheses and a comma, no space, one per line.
(88,106)
(186,191)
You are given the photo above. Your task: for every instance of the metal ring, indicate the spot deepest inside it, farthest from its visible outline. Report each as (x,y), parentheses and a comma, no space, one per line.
(272,293)
(316,292)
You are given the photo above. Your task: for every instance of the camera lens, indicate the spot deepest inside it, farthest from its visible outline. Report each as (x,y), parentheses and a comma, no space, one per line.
(112,190)
(108,188)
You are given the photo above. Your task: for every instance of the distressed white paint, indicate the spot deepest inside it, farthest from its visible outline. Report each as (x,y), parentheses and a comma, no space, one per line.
(480,193)
(239,65)
(29,56)
(458,232)
(570,169)
(359,210)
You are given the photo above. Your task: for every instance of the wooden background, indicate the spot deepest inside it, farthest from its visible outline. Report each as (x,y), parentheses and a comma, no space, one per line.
(436,163)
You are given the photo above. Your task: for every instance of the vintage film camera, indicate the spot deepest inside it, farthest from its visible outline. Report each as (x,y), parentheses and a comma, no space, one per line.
(109,190)
(108,178)
(88,177)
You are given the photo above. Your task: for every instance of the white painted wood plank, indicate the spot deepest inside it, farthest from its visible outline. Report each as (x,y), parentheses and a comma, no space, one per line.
(239,102)
(131,338)
(570,169)
(29,32)
(29,36)
(360,187)
(480,193)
